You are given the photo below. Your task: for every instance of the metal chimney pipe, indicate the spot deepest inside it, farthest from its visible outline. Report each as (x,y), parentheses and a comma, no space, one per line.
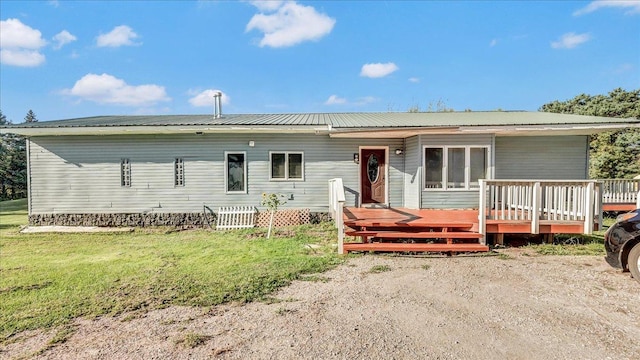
(217,105)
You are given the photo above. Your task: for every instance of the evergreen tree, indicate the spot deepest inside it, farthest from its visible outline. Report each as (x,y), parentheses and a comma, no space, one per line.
(31,117)
(613,154)
(4,158)
(13,162)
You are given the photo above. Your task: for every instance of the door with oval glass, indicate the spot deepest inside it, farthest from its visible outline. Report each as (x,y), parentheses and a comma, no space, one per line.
(373,176)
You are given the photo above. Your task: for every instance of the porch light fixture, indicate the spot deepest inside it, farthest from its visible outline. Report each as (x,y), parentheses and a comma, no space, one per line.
(399,151)
(252,143)
(356,158)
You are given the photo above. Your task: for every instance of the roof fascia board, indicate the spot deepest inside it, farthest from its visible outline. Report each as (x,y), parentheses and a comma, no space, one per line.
(150,130)
(506,130)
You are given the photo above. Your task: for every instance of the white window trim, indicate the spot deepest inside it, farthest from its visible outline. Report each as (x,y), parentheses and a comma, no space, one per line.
(226,172)
(286,166)
(467,165)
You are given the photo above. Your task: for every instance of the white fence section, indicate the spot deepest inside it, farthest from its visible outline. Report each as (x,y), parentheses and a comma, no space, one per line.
(539,200)
(620,191)
(336,207)
(235,217)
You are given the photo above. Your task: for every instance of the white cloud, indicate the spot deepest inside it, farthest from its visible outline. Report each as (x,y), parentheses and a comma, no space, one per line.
(335,100)
(107,89)
(414,79)
(365,100)
(378,70)
(270,5)
(63,38)
(120,36)
(205,98)
(632,5)
(289,23)
(624,68)
(570,40)
(20,44)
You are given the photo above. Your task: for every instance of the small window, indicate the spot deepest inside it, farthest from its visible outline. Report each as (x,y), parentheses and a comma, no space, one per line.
(433,168)
(287,165)
(455,168)
(178,172)
(479,166)
(125,173)
(236,172)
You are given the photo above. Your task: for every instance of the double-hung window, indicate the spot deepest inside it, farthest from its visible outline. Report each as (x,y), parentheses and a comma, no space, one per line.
(235,172)
(286,165)
(455,167)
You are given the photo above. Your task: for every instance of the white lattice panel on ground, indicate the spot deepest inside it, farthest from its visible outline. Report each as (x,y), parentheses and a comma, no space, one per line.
(235,217)
(288,217)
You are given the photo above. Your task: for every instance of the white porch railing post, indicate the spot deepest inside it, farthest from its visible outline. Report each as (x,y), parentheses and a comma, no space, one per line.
(336,205)
(638,201)
(598,200)
(482,212)
(589,208)
(536,208)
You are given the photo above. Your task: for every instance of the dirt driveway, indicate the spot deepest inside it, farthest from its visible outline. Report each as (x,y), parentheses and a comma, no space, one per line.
(517,306)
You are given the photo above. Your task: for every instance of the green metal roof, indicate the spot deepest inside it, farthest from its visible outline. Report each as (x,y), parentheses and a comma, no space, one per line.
(325,122)
(335,120)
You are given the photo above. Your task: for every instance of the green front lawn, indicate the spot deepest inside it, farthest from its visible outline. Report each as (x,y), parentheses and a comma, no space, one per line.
(48,280)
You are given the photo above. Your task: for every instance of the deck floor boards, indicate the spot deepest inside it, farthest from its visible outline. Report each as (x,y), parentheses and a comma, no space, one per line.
(381,229)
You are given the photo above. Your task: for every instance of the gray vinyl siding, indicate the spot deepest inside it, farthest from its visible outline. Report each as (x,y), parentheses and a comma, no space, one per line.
(453,199)
(413,172)
(542,157)
(81,174)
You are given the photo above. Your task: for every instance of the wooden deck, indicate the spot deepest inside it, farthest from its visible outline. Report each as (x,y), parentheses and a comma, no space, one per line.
(426,230)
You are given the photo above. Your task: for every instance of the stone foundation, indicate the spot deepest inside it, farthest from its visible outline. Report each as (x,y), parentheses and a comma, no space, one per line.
(287,217)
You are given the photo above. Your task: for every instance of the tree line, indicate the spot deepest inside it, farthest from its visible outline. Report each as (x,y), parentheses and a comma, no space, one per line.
(13,161)
(613,154)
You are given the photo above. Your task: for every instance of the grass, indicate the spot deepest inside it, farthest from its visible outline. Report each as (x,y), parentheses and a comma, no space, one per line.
(576,244)
(47,280)
(376,269)
(192,340)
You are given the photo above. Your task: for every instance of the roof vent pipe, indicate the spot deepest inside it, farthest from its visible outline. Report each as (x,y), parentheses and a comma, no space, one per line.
(217,105)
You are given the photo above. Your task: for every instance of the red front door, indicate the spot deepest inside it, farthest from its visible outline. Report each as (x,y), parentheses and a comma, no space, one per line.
(373,176)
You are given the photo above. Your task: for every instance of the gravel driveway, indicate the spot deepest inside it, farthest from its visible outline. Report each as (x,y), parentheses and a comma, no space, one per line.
(515,306)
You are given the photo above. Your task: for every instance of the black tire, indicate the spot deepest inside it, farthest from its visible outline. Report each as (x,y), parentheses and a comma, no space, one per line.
(634,262)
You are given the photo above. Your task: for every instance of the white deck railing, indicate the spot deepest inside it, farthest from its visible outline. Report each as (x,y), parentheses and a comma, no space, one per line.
(336,207)
(539,200)
(620,191)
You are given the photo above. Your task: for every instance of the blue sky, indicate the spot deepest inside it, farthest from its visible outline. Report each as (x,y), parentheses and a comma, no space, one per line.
(67,59)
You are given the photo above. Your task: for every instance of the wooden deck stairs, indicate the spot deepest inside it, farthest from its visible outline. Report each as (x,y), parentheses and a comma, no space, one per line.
(402,230)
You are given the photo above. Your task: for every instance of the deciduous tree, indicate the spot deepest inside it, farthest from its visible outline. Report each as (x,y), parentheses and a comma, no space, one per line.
(613,154)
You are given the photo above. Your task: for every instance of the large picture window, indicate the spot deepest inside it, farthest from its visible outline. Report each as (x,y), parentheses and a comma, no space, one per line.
(286,165)
(236,172)
(455,167)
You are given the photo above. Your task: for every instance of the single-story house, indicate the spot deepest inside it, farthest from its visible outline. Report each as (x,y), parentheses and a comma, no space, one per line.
(101,170)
